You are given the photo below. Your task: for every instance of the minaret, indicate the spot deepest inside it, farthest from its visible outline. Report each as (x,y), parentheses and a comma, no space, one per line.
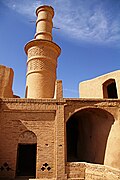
(42,57)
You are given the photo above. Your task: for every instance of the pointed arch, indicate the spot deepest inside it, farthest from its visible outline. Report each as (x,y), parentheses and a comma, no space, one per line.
(28,137)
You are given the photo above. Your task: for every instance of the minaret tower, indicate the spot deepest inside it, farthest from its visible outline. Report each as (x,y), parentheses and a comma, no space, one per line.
(42,57)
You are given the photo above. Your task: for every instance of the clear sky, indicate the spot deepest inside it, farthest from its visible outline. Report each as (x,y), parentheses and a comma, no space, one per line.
(89,37)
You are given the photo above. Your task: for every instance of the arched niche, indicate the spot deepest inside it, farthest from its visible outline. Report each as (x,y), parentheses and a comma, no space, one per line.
(87,133)
(27,137)
(109,89)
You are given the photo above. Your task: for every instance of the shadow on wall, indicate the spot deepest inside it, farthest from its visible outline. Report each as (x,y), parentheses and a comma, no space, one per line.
(87,134)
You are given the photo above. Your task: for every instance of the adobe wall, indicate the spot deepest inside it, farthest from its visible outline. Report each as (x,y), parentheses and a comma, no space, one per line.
(6,80)
(93,88)
(87,171)
(111,155)
(47,120)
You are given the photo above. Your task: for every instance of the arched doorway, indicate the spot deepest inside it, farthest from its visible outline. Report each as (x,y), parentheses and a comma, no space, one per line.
(109,89)
(26,155)
(87,133)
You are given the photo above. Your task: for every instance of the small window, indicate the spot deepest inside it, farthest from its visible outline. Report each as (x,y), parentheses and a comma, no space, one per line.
(109,89)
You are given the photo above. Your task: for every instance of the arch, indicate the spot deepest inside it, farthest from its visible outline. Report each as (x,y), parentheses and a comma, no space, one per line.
(87,133)
(109,89)
(28,137)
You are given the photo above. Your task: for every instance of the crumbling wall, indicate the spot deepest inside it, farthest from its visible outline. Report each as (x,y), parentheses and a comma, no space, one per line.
(6,80)
(86,171)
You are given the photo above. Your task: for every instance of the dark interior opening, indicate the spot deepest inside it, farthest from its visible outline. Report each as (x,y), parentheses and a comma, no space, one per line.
(87,133)
(109,89)
(112,91)
(26,160)
(26,92)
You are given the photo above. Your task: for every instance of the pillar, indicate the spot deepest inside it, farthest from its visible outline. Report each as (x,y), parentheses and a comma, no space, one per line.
(42,57)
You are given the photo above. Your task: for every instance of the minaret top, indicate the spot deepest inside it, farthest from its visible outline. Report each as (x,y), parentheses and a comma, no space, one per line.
(43,8)
(44,22)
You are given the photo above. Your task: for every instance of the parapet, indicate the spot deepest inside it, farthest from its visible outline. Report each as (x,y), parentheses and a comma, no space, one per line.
(58,90)
(6,80)
(105,86)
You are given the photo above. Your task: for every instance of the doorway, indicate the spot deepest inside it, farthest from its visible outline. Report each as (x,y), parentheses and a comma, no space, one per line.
(26,160)
(110,89)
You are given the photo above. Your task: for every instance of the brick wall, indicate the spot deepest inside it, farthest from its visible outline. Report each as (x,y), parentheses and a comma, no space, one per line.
(46,119)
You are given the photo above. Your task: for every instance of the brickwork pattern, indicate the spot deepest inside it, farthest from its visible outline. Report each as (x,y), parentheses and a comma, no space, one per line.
(42,57)
(46,118)
(85,171)
(41,69)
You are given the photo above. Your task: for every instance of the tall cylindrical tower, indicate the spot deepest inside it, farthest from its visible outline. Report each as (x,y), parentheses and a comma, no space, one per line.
(42,57)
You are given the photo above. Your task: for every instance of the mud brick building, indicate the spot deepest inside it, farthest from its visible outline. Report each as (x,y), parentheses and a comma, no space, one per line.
(46,136)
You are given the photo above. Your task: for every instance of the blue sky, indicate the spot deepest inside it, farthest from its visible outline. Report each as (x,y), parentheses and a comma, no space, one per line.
(89,37)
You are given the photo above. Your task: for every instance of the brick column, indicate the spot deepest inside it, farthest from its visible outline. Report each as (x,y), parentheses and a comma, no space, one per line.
(60,143)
